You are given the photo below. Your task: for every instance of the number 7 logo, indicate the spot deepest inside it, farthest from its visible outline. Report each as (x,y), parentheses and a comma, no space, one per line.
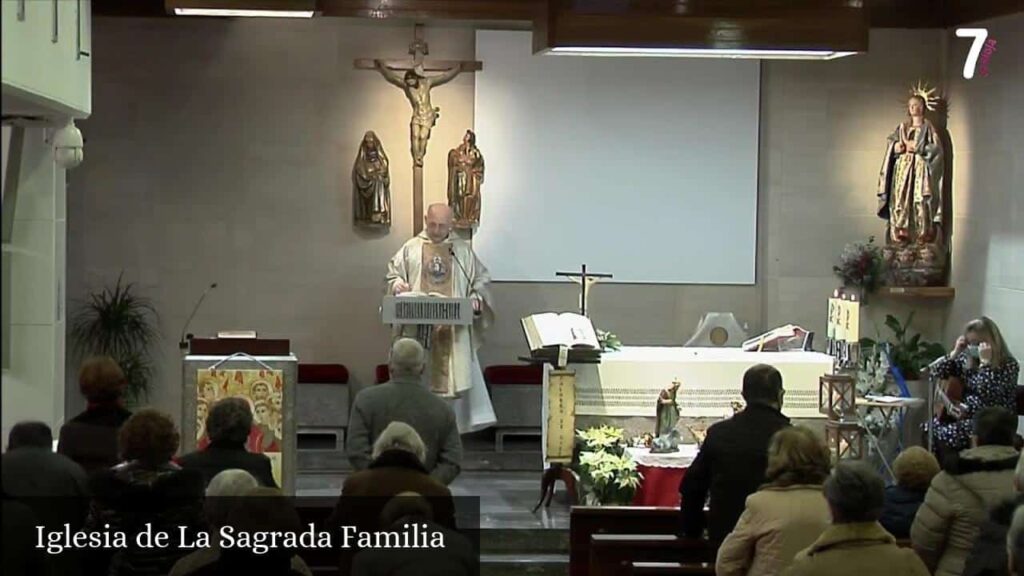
(979,35)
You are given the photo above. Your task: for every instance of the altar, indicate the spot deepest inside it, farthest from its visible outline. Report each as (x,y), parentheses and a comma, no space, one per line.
(626,384)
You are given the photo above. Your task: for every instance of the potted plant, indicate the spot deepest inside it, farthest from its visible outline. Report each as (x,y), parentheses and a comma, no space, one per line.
(608,340)
(907,353)
(862,266)
(119,323)
(608,476)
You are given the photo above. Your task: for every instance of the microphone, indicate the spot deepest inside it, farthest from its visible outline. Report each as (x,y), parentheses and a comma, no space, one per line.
(451,250)
(183,343)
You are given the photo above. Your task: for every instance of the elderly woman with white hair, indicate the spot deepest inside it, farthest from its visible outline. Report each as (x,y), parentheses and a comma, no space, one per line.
(397,467)
(224,493)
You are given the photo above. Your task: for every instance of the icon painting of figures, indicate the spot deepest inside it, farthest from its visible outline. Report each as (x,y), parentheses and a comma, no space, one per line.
(263,390)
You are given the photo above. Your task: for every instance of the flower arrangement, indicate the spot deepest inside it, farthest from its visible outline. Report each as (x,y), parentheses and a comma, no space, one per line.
(608,476)
(608,341)
(861,265)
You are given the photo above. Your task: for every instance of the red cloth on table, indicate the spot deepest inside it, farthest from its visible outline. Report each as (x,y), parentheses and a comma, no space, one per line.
(659,487)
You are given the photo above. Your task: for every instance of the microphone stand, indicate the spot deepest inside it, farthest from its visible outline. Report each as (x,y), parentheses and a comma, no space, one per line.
(185,342)
(185,338)
(451,250)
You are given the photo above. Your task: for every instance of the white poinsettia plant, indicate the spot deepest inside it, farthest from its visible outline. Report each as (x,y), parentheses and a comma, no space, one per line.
(607,474)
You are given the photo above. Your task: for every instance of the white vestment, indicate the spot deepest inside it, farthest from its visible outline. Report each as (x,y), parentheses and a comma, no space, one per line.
(472,403)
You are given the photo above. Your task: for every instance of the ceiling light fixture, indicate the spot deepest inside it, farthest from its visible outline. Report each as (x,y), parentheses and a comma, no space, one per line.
(609,51)
(231,13)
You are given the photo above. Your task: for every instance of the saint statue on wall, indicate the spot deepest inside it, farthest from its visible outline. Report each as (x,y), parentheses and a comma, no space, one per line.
(465,177)
(910,197)
(371,184)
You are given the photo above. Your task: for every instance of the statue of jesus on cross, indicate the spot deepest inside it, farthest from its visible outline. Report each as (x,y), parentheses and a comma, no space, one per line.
(411,76)
(416,85)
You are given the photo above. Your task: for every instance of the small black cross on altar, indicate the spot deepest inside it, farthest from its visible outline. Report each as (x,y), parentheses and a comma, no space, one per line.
(585,279)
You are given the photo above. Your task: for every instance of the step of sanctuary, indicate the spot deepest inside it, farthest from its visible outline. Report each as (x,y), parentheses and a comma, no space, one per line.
(513,540)
(519,454)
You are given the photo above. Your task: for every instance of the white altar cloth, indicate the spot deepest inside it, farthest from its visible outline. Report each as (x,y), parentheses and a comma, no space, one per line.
(627,382)
(681,458)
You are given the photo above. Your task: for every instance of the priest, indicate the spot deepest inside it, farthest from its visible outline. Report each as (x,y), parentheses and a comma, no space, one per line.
(435,262)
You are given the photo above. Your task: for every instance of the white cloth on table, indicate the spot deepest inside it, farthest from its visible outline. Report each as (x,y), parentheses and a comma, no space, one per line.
(679,459)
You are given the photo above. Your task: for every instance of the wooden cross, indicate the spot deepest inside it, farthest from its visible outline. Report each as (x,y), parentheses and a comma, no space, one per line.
(585,280)
(411,76)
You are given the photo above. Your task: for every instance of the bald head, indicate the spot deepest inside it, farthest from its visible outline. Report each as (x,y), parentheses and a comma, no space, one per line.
(407,358)
(438,222)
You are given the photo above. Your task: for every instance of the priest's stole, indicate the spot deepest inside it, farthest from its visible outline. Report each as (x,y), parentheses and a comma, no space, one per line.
(627,383)
(436,278)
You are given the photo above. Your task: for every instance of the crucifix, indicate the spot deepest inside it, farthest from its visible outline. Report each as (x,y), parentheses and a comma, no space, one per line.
(585,280)
(411,76)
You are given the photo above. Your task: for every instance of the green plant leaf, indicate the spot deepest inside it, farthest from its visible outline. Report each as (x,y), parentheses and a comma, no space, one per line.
(117,322)
(892,323)
(913,342)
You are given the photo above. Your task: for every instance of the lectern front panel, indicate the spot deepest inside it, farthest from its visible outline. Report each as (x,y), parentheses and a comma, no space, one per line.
(267,384)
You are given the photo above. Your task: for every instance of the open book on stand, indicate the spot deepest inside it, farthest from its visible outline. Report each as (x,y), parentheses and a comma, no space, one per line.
(783,338)
(546,333)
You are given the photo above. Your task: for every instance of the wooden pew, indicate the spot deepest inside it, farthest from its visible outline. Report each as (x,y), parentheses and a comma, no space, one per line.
(585,521)
(613,554)
(671,569)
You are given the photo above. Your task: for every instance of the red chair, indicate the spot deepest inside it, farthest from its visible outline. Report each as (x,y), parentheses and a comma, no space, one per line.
(383,374)
(323,374)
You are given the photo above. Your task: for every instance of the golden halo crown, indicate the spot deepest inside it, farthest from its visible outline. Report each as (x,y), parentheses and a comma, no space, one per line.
(928,94)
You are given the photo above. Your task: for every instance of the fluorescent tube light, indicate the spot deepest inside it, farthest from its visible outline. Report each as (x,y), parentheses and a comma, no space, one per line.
(699,53)
(243,13)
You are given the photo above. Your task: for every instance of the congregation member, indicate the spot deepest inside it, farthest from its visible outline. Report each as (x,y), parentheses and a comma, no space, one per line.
(404,398)
(913,469)
(20,553)
(51,485)
(1015,543)
(970,485)
(787,514)
(855,544)
(456,558)
(259,509)
(989,555)
(90,438)
(988,370)
(226,490)
(147,488)
(732,460)
(397,467)
(228,425)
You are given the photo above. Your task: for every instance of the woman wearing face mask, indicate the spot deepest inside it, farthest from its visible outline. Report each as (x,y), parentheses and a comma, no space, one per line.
(989,375)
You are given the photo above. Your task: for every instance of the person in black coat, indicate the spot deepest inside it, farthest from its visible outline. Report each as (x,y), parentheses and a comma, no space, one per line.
(146,489)
(90,438)
(51,485)
(914,469)
(19,554)
(228,425)
(732,460)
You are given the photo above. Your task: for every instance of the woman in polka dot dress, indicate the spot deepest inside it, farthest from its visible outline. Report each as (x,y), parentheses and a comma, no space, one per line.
(989,374)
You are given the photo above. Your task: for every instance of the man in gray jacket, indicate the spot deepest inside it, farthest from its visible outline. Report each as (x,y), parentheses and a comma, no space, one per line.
(405,399)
